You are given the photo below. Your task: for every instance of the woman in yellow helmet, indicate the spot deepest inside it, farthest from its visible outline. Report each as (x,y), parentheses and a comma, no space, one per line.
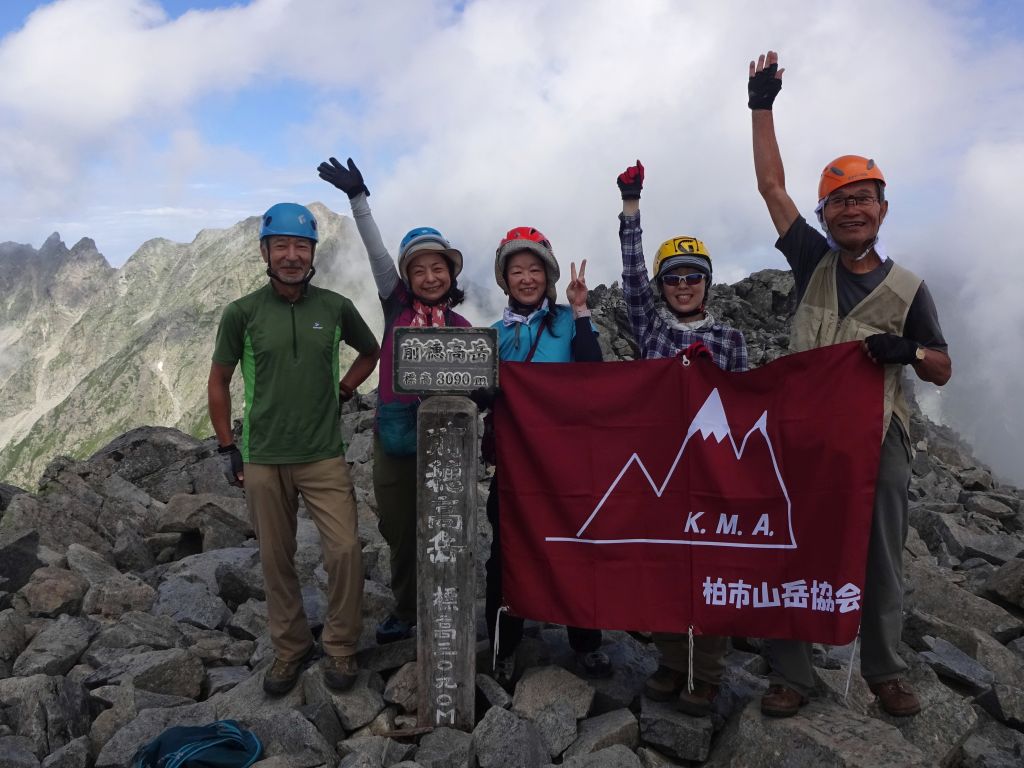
(669,315)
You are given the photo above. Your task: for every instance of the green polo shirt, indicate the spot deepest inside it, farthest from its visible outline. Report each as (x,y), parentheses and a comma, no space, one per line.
(290,364)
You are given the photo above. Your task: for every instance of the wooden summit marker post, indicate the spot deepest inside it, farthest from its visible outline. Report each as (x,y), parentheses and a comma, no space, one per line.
(445,362)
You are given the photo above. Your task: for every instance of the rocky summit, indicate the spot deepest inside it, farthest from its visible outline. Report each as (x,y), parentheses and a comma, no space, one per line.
(131,599)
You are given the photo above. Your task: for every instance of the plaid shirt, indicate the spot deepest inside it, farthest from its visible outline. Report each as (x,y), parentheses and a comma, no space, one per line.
(655,335)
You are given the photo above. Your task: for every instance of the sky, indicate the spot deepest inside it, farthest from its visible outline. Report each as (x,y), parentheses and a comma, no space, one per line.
(124,120)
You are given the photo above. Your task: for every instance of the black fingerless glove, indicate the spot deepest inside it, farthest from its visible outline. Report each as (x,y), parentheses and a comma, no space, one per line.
(763,87)
(232,461)
(891,349)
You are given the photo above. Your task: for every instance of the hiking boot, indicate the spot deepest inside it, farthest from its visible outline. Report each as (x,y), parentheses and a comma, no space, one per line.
(781,701)
(896,697)
(393,629)
(282,676)
(340,672)
(665,684)
(698,701)
(504,671)
(595,664)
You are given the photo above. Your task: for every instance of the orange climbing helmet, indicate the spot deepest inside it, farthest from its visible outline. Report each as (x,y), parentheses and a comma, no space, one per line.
(846,170)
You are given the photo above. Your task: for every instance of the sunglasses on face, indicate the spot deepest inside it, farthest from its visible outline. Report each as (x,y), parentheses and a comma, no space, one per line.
(694,278)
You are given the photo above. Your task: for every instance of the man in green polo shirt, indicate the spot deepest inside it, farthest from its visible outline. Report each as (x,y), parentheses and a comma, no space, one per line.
(286,336)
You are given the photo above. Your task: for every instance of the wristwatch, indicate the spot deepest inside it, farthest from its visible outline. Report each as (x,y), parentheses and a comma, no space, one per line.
(919,353)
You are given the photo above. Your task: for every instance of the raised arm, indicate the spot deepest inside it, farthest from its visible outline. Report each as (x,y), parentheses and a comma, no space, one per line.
(350,181)
(763,86)
(636,285)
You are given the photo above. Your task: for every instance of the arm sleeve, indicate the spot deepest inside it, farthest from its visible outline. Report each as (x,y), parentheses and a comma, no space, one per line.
(385,274)
(354,330)
(230,336)
(922,324)
(585,348)
(803,246)
(636,285)
(738,358)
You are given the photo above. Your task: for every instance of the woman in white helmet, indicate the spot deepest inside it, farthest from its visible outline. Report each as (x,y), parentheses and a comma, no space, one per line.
(421,290)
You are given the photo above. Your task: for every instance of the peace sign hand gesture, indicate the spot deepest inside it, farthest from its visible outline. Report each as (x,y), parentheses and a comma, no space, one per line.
(576,292)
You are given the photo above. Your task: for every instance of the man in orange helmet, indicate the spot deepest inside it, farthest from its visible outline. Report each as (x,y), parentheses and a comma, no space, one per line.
(848,290)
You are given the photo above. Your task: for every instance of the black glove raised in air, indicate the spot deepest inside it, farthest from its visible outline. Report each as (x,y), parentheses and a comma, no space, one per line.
(348,180)
(763,87)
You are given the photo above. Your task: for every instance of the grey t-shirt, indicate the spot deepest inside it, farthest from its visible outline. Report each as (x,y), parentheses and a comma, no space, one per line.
(804,247)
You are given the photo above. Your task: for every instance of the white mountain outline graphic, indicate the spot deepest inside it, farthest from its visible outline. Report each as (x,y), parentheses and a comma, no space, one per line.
(709,420)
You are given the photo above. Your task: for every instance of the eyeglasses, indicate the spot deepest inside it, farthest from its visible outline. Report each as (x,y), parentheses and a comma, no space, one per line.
(694,278)
(835,203)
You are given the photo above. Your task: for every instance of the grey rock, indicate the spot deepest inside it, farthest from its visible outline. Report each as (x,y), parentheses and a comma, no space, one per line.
(933,592)
(215,648)
(378,750)
(557,725)
(945,722)
(8,492)
(118,595)
(249,621)
(220,679)
(150,723)
(12,639)
(384,658)
(90,565)
(596,733)
(175,672)
(988,505)
(822,734)
(976,479)
(189,601)
(542,687)
(979,752)
(401,687)
(56,649)
(237,583)
(674,733)
(51,591)
(247,699)
(325,720)
(16,752)
(49,711)
(204,566)
(950,662)
(502,740)
(131,552)
(220,521)
(136,628)
(445,748)
(360,448)
(18,553)
(355,707)
(490,694)
(651,758)
(1006,704)
(74,754)
(290,734)
(962,541)
(1007,582)
(616,756)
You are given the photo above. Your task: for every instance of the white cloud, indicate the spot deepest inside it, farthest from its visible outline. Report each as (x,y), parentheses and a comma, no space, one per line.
(512,113)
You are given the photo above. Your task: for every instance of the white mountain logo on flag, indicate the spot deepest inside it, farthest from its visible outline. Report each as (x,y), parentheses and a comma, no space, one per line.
(715,494)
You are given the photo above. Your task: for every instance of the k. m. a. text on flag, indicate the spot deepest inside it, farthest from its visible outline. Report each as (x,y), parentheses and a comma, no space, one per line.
(656,495)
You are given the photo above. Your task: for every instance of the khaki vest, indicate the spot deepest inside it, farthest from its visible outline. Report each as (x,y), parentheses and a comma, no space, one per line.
(884,310)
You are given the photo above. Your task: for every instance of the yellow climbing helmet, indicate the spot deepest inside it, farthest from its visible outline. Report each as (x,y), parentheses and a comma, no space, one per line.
(682,251)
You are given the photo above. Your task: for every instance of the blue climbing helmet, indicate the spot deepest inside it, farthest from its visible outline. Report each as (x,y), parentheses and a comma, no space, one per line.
(289,219)
(426,239)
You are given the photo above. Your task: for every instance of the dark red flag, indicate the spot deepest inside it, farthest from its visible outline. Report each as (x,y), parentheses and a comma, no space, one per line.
(656,496)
